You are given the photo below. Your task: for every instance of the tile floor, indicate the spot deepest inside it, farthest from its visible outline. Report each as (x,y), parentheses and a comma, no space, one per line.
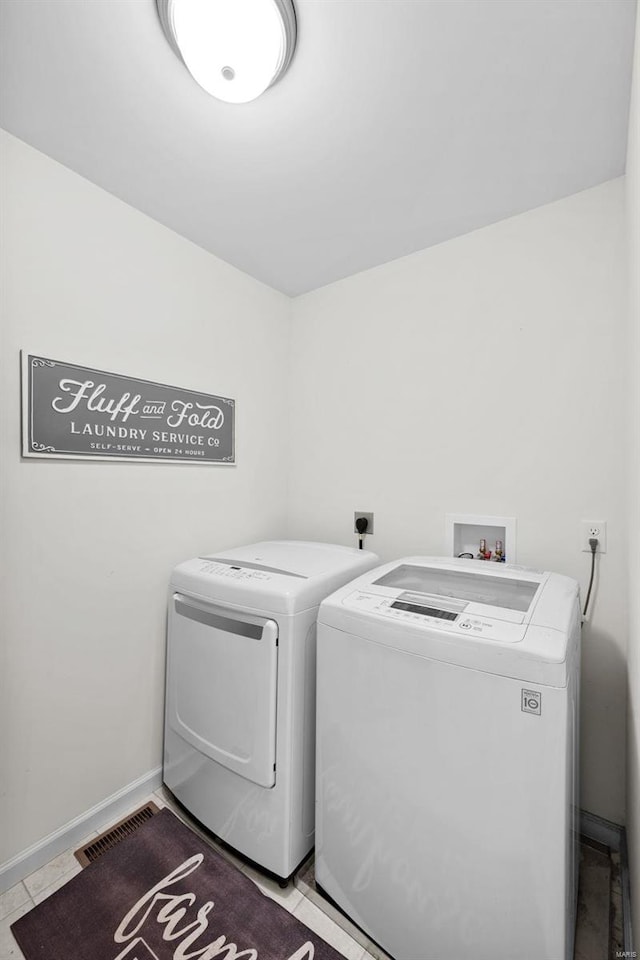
(598,915)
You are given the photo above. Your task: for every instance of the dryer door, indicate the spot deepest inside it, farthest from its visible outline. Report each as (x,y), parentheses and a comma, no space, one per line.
(221,685)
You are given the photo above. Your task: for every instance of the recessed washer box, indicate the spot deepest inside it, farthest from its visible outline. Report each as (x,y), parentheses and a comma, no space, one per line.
(464,531)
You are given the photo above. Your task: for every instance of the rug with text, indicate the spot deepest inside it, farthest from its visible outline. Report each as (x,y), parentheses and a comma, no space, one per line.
(164,894)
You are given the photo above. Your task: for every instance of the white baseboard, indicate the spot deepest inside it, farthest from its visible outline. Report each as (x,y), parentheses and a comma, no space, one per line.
(603,831)
(97,818)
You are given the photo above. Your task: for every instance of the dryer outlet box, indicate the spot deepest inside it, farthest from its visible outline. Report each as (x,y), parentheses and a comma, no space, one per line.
(368,517)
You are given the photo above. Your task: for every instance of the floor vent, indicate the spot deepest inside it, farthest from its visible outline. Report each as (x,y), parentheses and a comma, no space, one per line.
(114,835)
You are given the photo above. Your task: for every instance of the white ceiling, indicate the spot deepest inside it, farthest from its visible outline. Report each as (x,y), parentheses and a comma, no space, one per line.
(400,123)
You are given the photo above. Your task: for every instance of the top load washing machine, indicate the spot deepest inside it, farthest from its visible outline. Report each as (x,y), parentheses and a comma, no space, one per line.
(240,705)
(447,759)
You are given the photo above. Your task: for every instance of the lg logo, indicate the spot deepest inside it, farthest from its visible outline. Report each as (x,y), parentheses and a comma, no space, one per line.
(531,701)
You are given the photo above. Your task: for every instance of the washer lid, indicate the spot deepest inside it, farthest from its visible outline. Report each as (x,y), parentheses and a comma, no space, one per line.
(508,597)
(279,576)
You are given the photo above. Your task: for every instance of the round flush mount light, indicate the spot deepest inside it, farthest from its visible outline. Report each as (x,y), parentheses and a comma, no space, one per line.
(235,49)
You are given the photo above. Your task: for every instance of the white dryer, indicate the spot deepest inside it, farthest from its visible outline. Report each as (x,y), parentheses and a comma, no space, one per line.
(447,764)
(240,701)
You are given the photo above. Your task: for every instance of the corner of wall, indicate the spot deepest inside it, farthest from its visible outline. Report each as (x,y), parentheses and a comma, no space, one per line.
(633,658)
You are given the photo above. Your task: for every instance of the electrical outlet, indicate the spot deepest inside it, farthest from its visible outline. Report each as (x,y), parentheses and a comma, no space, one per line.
(590,529)
(369,516)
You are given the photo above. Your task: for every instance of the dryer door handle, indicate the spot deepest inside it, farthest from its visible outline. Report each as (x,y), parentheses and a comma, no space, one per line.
(211,618)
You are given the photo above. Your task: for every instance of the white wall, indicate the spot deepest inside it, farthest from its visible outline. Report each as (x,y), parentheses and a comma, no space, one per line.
(484,375)
(633,684)
(88,547)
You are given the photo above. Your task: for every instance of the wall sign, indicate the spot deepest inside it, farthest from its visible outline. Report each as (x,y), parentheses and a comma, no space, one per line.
(86,414)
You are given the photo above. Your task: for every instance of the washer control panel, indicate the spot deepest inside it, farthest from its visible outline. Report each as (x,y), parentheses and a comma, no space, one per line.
(413,614)
(424,611)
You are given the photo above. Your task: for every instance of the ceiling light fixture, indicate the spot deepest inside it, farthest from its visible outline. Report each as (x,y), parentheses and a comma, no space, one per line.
(235,49)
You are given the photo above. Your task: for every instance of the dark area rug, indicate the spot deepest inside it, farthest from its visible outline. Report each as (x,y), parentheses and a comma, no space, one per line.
(164,894)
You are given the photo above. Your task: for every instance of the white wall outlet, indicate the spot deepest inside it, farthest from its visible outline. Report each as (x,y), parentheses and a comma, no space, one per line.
(593,529)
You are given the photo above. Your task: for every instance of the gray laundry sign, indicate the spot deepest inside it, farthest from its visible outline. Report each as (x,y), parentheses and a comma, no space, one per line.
(82,413)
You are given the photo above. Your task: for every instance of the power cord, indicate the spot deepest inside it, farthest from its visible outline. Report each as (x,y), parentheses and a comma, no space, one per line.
(593,543)
(361,526)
